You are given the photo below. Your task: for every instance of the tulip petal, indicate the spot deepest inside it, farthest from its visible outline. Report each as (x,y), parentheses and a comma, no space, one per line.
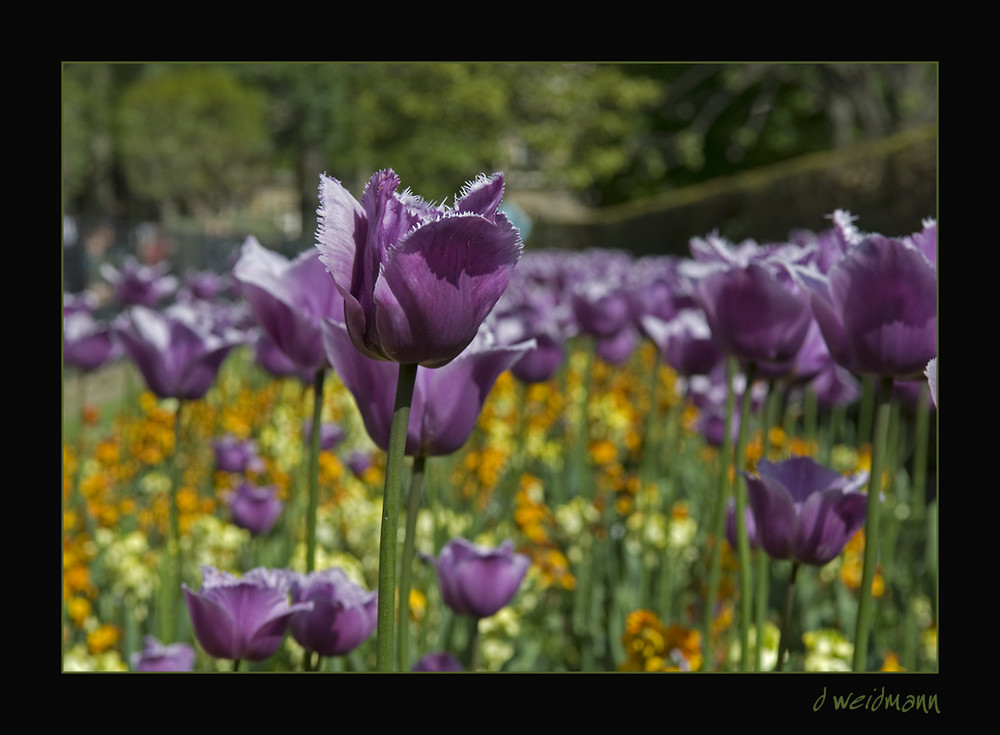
(438,286)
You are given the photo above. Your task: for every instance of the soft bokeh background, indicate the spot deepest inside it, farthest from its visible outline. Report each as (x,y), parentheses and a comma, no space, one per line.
(180,161)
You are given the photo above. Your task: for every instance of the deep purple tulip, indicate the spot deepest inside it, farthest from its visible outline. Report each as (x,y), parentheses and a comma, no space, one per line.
(753,315)
(417,280)
(343,614)
(255,508)
(174,353)
(155,656)
(289,299)
(87,343)
(140,285)
(241,619)
(804,511)
(359,462)
(446,401)
(877,307)
(479,581)
(236,455)
(440,661)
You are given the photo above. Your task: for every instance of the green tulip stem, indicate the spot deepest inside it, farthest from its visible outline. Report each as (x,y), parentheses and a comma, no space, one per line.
(473,648)
(395,457)
(406,568)
(168,627)
(786,616)
(865,603)
(742,539)
(314,449)
(719,519)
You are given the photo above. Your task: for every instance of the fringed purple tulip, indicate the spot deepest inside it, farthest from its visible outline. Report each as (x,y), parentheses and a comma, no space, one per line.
(140,285)
(804,511)
(289,299)
(177,357)
(343,613)
(417,280)
(242,619)
(446,401)
(155,656)
(255,508)
(877,305)
(479,581)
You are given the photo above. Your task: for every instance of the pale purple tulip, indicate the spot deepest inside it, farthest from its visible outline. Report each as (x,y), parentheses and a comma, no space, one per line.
(177,357)
(417,280)
(478,581)
(343,614)
(439,661)
(289,299)
(236,455)
(255,508)
(137,284)
(242,618)
(156,656)
(87,343)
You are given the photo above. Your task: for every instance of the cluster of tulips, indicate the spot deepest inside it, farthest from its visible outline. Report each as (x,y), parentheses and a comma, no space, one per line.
(417,309)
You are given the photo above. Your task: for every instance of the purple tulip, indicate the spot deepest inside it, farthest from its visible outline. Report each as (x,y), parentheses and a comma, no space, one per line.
(753,315)
(417,280)
(270,357)
(540,364)
(330,434)
(479,581)
(140,285)
(359,462)
(157,657)
(877,306)
(343,614)
(236,455)
(446,401)
(241,619)
(685,342)
(177,357)
(255,508)
(87,343)
(289,299)
(731,534)
(440,661)
(804,511)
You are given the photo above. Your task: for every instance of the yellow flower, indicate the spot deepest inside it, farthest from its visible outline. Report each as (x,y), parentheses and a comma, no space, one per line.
(78,609)
(102,638)
(891,662)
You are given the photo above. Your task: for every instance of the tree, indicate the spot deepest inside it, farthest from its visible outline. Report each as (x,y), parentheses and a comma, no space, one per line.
(193,139)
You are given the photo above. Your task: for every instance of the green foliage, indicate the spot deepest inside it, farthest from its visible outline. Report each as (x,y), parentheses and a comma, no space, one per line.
(193,138)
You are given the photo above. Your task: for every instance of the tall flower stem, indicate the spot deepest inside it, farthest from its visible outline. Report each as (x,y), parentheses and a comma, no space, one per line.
(168,625)
(742,539)
(314,448)
(786,616)
(879,445)
(406,570)
(395,456)
(721,498)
